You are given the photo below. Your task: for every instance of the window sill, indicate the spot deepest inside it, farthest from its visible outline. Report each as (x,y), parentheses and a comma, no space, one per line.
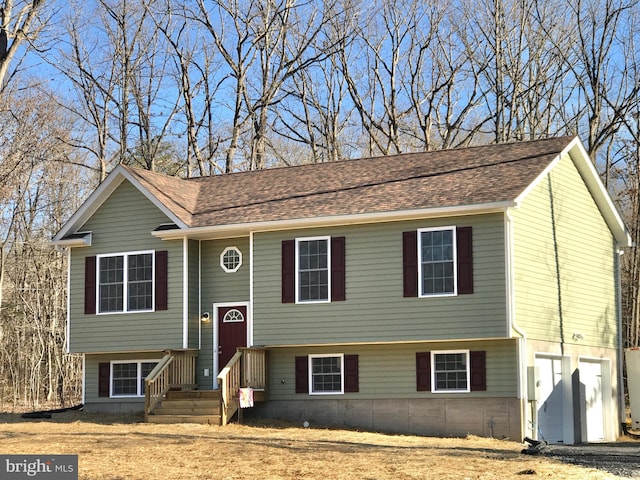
(126,312)
(450,391)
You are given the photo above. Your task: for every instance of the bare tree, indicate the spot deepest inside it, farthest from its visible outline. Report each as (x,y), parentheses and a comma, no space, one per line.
(316,112)
(116,61)
(94,82)
(444,85)
(314,115)
(21,22)
(228,24)
(34,368)
(604,64)
(194,75)
(374,70)
(628,178)
(264,44)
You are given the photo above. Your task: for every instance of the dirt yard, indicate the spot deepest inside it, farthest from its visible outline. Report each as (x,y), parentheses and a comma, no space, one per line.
(124,448)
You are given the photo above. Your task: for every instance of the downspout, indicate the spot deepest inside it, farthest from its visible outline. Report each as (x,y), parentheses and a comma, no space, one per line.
(68,327)
(621,404)
(199,294)
(84,379)
(185,293)
(250,309)
(512,324)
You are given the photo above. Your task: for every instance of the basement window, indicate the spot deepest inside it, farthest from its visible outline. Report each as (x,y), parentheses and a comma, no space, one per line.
(326,374)
(450,371)
(127,377)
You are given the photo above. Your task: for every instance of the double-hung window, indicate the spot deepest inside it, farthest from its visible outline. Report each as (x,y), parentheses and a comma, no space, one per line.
(127,378)
(313,260)
(125,282)
(451,372)
(437,261)
(326,374)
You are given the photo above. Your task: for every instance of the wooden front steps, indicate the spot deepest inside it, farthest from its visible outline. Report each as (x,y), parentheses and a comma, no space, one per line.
(189,407)
(194,406)
(169,388)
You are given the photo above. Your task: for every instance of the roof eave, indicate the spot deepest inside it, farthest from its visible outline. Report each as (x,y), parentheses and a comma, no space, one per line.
(81,241)
(241,229)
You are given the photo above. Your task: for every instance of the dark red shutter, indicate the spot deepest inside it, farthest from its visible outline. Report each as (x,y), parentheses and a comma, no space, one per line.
(162,280)
(288,271)
(465,260)
(90,285)
(423,371)
(302,374)
(478,371)
(351,378)
(338,291)
(410,263)
(104,374)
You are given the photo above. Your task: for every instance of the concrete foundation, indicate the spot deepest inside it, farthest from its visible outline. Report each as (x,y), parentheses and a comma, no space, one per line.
(486,417)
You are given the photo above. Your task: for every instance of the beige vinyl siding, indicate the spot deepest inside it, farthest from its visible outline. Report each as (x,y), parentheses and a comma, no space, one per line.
(564,263)
(375,309)
(119,228)
(91,364)
(389,371)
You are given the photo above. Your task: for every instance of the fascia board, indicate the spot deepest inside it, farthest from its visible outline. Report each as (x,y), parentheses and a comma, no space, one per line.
(100,195)
(227,231)
(84,241)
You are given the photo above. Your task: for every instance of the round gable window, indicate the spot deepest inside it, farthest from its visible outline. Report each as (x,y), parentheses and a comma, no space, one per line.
(231,259)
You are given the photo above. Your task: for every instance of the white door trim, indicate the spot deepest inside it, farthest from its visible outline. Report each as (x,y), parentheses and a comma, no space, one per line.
(566,398)
(608,417)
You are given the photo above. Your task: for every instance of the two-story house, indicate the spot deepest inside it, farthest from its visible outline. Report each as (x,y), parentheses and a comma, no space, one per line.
(464,291)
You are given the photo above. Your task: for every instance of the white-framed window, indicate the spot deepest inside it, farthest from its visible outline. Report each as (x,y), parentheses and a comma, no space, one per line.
(313,272)
(326,374)
(437,272)
(450,371)
(125,282)
(231,259)
(127,377)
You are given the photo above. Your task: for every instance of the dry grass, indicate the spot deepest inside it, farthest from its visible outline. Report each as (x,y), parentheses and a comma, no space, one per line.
(123,448)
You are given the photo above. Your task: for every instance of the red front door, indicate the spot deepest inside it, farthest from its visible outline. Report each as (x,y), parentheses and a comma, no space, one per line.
(232,331)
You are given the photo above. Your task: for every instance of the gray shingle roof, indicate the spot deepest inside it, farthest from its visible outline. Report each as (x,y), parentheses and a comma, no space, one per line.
(438,179)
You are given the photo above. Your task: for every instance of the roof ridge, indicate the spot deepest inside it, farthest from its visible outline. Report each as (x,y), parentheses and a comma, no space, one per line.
(367,185)
(376,157)
(288,191)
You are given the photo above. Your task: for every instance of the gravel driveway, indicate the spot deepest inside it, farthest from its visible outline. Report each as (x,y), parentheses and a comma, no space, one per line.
(619,458)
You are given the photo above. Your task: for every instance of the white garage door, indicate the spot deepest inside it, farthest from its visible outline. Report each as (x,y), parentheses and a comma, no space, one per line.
(550,419)
(591,382)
